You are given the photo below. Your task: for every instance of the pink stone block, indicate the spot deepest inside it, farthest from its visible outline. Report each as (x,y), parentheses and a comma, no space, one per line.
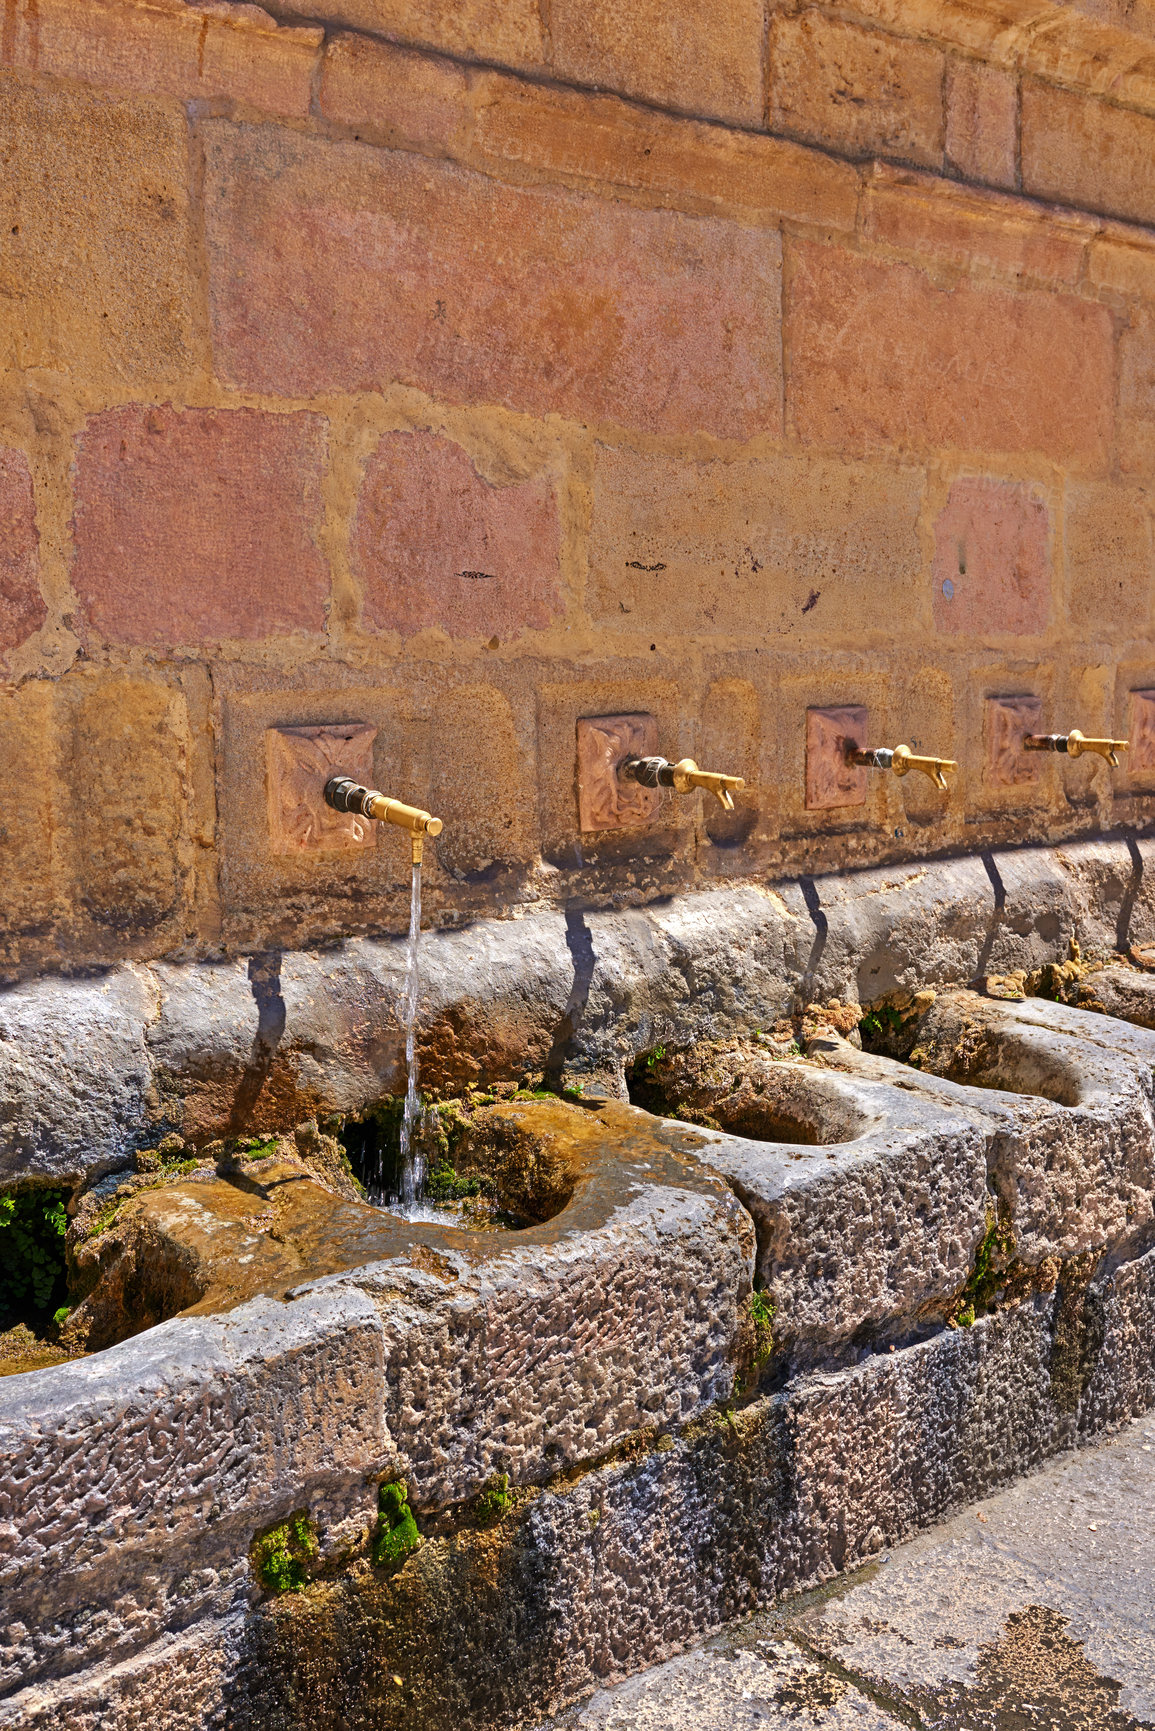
(830,780)
(299,761)
(1140,759)
(982,112)
(22,609)
(338,266)
(193,525)
(603,743)
(992,568)
(436,544)
(1006,721)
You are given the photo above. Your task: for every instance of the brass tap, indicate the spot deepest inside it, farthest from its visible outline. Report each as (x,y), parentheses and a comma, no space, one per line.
(343,794)
(1074,744)
(901,760)
(683,777)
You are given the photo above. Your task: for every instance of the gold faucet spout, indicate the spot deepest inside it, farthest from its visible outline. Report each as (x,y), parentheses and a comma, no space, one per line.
(1075,744)
(688,776)
(901,759)
(344,794)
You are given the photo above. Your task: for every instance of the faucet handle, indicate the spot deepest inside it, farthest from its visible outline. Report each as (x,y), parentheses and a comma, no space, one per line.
(687,776)
(936,767)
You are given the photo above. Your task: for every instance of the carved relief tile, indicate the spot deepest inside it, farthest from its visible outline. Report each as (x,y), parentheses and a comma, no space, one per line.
(1140,760)
(604,742)
(1006,720)
(300,760)
(830,780)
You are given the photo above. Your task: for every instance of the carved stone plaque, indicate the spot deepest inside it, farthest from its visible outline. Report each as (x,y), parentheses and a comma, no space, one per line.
(830,780)
(1007,719)
(604,742)
(1140,760)
(300,760)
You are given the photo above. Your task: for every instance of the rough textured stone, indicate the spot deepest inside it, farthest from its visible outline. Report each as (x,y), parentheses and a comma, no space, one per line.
(782,544)
(917,213)
(434,543)
(506,31)
(969,366)
(1087,153)
(198,524)
(93,215)
(673,53)
(982,112)
(339,266)
(1005,722)
(1136,413)
(992,546)
(855,91)
(602,139)
(26,805)
(391,94)
(22,608)
(1110,559)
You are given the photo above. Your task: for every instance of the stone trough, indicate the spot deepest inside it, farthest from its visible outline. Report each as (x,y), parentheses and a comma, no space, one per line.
(375,1472)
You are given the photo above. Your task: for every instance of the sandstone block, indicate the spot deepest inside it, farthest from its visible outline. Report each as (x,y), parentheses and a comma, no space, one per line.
(94,215)
(486,780)
(856,91)
(1136,425)
(1078,150)
(126,768)
(831,781)
(393,95)
(602,139)
(337,266)
(1110,560)
(1005,721)
(880,355)
(982,113)
(703,60)
(992,564)
(22,609)
(194,525)
(193,51)
(804,547)
(27,787)
(916,213)
(1141,756)
(434,543)
(1123,260)
(505,32)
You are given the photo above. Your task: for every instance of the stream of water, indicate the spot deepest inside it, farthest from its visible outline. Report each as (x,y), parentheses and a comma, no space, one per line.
(412,1159)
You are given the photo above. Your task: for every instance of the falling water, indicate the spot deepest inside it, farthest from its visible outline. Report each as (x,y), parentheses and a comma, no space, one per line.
(412,1160)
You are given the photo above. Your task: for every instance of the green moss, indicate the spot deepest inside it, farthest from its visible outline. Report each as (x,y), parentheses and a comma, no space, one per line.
(396,1535)
(281,1557)
(989,1274)
(882,1020)
(762,1312)
(494,1500)
(33,1272)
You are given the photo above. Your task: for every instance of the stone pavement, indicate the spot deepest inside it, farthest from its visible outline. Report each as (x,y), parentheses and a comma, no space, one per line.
(1032,1611)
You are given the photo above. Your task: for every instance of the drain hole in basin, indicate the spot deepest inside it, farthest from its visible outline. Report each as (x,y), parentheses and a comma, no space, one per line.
(488,1167)
(739,1088)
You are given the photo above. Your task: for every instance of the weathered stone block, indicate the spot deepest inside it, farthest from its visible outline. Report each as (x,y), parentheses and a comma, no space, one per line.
(992,568)
(673,53)
(831,781)
(982,116)
(508,32)
(194,525)
(393,95)
(94,215)
(27,789)
(436,544)
(881,356)
(1137,395)
(1005,722)
(337,266)
(300,761)
(1080,151)
(807,547)
(486,779)
(1110,560)
(1141,756)
(22,609)
(857,91)
(602,139)
(605,801)
(916,213)
(126,770)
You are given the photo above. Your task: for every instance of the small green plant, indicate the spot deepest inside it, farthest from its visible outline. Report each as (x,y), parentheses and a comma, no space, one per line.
(396,1535)
(881,1020)
(494,1500)
(281,1557)
(444,1184)
(992,1260)
(33,1271)
(762,1312)
(656,1056)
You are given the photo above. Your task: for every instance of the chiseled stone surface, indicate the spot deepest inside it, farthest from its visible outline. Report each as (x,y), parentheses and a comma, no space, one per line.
(22,608)
(991,543)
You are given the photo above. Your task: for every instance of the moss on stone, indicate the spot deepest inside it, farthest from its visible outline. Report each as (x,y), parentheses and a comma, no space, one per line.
(494,1500)
(283,1556)
(396,1535)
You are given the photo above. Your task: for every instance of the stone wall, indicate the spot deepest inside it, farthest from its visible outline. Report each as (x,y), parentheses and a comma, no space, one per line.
(461,370)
